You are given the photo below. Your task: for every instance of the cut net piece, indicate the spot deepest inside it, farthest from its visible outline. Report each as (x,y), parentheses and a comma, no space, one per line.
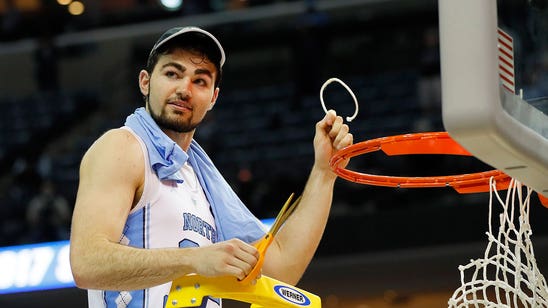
(507,275)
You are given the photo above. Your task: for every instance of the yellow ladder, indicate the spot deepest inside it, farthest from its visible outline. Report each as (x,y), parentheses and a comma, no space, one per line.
(189,291)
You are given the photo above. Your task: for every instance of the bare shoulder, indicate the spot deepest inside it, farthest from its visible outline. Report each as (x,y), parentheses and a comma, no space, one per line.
(116,149)
(111,175)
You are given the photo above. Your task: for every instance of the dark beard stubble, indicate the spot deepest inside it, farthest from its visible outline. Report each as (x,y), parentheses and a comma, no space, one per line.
(165,122)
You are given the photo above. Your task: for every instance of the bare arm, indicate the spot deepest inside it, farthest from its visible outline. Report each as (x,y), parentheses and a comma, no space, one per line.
(295,244)
(111,176)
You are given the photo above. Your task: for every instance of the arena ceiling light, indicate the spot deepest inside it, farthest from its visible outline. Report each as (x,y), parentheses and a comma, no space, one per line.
(76,8)
(171,5)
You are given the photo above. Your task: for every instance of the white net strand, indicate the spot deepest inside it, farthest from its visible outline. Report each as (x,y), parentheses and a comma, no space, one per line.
(507,275)
(330,80)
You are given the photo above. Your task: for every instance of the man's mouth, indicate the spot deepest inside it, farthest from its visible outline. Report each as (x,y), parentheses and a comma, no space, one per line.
(181,105)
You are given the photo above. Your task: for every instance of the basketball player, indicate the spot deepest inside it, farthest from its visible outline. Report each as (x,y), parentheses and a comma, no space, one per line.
(152,207)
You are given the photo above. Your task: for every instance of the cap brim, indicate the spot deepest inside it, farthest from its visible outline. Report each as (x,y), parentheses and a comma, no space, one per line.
(192,30)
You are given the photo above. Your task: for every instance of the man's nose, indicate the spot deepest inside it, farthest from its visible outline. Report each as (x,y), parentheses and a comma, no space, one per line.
(184,88)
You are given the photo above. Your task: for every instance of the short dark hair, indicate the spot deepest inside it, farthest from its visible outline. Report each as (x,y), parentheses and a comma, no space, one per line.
(194,42)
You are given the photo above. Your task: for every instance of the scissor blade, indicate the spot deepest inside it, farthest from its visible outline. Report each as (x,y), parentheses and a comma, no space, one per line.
(277,222)
(287,211)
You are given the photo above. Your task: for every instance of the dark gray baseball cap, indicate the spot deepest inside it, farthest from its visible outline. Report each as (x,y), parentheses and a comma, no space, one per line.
(177,32)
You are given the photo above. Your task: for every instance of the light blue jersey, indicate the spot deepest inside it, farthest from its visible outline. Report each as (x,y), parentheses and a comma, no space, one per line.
(169,214)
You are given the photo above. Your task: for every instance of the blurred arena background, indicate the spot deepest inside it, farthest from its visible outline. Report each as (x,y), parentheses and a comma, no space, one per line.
(69,72)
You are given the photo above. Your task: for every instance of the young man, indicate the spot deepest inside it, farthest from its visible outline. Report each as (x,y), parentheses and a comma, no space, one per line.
(151,206)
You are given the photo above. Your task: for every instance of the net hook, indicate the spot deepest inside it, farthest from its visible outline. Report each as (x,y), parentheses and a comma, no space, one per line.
(330,80)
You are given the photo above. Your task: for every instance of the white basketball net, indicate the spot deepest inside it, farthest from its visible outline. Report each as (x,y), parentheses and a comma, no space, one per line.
(507,275)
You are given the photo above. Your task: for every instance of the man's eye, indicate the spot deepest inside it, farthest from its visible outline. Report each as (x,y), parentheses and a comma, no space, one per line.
(171,74)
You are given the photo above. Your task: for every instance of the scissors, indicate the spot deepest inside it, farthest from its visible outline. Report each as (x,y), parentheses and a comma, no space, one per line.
(267,239)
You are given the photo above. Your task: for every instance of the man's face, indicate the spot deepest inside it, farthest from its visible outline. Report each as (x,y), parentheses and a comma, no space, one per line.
(180,90)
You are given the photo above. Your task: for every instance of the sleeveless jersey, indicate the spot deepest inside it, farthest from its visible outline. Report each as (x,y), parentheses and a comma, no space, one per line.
(169,214)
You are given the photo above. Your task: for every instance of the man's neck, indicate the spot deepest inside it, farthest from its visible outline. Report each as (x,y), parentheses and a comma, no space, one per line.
(182,139)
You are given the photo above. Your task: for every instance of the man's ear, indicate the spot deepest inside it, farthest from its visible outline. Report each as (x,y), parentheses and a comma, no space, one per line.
(144,82)
(213,99)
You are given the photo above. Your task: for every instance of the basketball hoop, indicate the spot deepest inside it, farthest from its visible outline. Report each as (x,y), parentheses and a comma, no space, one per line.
(417,143)
(507,275)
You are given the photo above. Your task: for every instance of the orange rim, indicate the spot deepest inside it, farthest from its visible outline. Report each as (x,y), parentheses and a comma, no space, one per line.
(418,143)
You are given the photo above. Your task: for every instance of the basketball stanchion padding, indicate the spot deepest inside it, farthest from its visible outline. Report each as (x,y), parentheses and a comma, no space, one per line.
(189,291)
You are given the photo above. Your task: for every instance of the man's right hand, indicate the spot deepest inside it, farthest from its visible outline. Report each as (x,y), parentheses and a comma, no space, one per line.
(228,258)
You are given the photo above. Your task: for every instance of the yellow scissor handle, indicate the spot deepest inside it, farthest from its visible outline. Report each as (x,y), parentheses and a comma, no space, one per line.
(261,246)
